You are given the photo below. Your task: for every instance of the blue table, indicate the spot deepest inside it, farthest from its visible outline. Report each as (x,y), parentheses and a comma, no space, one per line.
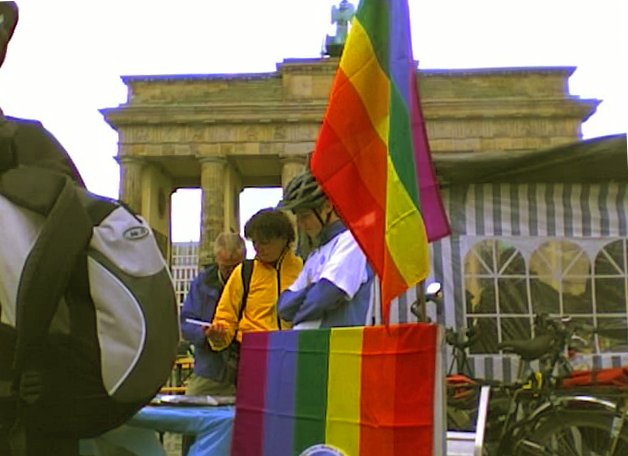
(211,426)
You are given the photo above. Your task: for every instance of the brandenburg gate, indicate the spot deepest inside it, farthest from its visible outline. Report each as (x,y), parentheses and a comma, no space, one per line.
(223,133)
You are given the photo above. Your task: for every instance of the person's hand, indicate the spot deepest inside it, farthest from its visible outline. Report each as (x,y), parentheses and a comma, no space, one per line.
(216,333)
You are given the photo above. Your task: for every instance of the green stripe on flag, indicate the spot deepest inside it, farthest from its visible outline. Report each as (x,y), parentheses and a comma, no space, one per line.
(311,389)
(400,146)
(374,17)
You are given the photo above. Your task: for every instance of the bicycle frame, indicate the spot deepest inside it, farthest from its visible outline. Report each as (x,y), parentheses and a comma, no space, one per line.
(518,430)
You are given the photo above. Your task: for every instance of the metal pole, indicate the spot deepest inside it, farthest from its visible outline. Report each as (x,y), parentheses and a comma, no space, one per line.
(422,304)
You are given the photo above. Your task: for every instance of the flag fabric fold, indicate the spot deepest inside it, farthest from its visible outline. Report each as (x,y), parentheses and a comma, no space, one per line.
(362,390)
(372,157)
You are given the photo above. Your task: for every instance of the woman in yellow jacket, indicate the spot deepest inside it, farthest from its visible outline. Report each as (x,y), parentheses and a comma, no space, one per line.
(275,268)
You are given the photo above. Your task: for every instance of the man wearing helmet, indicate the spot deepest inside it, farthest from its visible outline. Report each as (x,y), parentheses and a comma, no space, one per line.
(334,288)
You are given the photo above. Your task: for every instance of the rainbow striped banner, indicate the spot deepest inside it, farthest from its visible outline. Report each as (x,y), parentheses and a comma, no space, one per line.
(372,156)
(363,390)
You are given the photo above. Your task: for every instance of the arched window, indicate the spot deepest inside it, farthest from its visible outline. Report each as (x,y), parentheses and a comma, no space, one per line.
(496,293)
(611,295)
(560,279)
(504,289)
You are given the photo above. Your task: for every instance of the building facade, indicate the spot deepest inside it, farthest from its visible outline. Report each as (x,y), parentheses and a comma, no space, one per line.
(538,215)
(223,133)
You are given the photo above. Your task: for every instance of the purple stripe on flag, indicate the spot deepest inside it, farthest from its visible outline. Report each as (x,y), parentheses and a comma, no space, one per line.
(400,50)
(432,210)
(248,429)
(280,393)
(403,74)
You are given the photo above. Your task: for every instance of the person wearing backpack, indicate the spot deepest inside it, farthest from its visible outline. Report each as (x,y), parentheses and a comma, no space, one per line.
(209,376)
(88,315)
(275,267)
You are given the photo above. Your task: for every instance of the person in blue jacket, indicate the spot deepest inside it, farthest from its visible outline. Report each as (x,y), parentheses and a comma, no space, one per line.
(334,287)
(210,376)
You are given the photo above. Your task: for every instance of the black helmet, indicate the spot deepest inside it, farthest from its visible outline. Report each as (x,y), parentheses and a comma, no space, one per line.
(8,21)
(302,192)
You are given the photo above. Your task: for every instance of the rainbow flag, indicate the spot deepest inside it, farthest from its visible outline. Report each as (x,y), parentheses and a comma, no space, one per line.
(364,390)
(372,157)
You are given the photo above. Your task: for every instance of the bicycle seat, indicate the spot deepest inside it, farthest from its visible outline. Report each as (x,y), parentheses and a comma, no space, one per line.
(528,349)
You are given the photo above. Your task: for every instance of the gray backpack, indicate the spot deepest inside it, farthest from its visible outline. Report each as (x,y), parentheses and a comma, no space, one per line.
(88,327)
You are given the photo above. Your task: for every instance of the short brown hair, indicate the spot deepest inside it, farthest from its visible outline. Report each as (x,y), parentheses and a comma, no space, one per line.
(270,223)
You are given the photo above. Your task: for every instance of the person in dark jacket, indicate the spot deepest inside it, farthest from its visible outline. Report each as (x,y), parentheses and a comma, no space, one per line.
(210,370)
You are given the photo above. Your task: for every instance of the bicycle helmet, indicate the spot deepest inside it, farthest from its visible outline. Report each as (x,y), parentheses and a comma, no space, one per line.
(302,192)
(8,21)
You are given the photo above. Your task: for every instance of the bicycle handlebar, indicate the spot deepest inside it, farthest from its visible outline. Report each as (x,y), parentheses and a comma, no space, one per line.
(462,339)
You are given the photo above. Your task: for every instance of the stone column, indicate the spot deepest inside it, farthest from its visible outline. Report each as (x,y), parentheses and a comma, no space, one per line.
(131,169)
(291,166)
(213,199)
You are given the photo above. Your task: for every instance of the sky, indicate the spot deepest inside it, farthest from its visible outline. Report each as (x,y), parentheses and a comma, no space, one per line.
(67,57)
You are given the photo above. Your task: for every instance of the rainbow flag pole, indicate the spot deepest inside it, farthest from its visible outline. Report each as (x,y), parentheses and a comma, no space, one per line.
(372,156)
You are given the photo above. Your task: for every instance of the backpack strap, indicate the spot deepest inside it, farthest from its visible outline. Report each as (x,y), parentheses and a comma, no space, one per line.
(246,273)
(8,159)
(64,236)
(37,173)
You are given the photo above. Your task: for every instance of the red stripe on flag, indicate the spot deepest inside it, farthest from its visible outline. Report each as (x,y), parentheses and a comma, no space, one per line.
(377,413)
(367,232)
(414,400)
(248,426)
(348,137)
(351,162)
(397,390)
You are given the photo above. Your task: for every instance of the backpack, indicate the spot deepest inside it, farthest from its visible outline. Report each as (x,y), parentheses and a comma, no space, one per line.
(88,328)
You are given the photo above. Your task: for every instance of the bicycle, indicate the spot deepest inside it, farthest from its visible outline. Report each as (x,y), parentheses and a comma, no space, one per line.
(539,414)
(548,418)
(464,390)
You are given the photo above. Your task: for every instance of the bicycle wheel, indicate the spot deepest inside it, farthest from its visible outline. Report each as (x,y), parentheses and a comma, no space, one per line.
(573,432)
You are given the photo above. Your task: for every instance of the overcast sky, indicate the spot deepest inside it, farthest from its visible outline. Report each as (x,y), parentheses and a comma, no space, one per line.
(67,56)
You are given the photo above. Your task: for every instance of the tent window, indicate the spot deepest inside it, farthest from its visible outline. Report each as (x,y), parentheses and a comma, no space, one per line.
(496,293)
(505,289)
(560,278)
(611,295)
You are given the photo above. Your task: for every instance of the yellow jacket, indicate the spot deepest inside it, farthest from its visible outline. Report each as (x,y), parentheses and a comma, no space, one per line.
(260,312)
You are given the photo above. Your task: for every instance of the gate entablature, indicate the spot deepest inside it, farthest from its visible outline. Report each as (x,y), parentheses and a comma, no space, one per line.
(222,133)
